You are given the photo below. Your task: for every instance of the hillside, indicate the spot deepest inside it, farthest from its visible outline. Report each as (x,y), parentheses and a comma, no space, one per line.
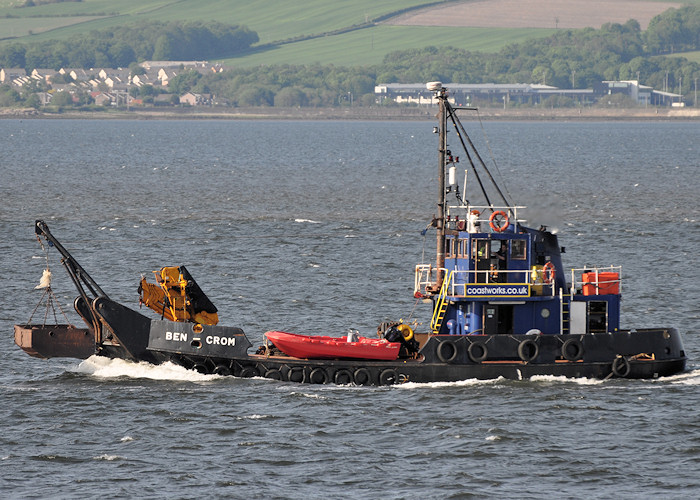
(330,32)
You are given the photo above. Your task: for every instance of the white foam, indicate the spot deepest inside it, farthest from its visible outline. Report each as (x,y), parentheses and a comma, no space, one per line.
(308,221)
(460,383)
(307,395)
(102,367)
(126,439)
(109,458)
(565,380)
(686,378)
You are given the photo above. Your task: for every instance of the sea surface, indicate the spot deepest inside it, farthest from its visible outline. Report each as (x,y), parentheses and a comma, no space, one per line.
(315,227)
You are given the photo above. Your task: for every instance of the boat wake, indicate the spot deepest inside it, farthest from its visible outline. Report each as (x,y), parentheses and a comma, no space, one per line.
(102,367)
(686,378)
(538,379)
(460,383)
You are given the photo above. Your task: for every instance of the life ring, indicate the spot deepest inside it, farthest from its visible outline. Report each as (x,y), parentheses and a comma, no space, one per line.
(222,370)
(548,273)
(477,352)
(388,377)
(528,350)
(499,221)
(406,331)
(572,350)
(621,366)
(318,376)
(248,373)
(342,377)
(296,374)
(201,368)
(362,376)
(447,351)
(273,374)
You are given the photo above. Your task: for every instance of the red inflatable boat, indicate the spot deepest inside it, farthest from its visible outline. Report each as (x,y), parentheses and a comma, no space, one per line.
(311,347)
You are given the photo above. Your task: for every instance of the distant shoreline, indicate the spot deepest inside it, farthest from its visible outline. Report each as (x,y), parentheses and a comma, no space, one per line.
(360,113)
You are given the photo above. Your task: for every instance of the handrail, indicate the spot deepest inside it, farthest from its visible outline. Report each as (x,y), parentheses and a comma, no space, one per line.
(484,210)
(597,283)
(426,276)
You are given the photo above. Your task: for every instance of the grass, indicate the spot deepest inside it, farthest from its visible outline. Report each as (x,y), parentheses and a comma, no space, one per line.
(27,26)
(370,46)
(272,19)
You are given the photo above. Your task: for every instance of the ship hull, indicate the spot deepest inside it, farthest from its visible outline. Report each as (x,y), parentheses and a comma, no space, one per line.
(634,354)
(643,354)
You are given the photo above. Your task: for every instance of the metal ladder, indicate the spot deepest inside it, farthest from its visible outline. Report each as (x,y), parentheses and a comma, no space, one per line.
(441,304)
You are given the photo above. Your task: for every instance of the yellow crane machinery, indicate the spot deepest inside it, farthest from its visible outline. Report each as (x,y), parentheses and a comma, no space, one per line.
(177,297)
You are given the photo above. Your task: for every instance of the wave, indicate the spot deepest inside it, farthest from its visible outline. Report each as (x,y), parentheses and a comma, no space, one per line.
(102,367)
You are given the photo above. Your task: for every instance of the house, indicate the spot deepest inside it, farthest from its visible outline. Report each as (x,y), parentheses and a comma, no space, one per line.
(9,74)
(196,99)
(77,74)
(164,75)
(466,93)
(141,80)
(102,98)
(148,65)
(43,75)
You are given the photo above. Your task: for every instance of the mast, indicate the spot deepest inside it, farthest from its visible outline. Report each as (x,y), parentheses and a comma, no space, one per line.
(441,94)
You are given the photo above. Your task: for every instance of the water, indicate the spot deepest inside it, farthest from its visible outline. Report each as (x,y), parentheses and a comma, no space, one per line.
(314,227)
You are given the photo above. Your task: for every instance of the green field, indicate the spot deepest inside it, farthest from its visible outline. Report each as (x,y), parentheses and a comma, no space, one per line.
(691,56)
(273,20)
(369,46)
(26,26)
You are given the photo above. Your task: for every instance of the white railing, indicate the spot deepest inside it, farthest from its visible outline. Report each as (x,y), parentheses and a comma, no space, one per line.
(462,215)
(426,280)
(596,280)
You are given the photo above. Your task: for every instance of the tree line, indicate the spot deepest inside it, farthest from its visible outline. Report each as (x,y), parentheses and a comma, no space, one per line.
(121,46)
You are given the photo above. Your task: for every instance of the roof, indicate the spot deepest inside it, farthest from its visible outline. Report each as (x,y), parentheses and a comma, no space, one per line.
(465,87)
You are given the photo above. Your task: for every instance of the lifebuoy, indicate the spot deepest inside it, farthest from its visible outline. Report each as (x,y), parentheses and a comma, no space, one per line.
(528,350)
(296,374)
(621,366)
(273,374)
(200,368)
(572,350)
(499,221)
(318,376)
(362,376)
(447,351)
(222,370)
(388,377)
(477,352)
(548,273)
(342,377)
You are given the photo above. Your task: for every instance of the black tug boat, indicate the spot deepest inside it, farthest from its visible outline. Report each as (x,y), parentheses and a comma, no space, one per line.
(502,306)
